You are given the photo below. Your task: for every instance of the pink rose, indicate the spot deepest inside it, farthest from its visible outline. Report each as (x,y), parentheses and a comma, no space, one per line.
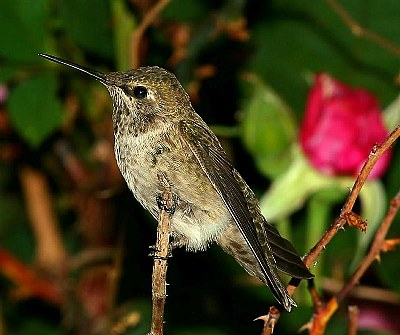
(340,127)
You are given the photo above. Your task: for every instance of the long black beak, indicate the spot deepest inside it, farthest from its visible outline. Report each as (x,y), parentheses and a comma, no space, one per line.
(98,75)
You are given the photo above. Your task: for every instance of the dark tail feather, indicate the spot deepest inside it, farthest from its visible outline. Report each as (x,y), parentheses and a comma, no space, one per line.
(286,258)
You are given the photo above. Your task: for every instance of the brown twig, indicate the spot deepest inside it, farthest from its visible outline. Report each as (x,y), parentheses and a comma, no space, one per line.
(50,252)
(317,301)
(358,30)
(139,31)
(375,154)
(319,322)
(160,265)
(375,250)
(270,320)
(354,312)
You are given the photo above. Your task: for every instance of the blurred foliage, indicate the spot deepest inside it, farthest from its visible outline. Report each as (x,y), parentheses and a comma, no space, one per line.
(268,128)
(39,94)
(213,47)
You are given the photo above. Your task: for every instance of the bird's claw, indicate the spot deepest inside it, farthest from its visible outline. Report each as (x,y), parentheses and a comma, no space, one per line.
(162,203)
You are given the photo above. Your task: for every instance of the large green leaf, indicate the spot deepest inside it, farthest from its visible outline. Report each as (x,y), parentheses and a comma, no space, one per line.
(22,23)
(88,23)
(6,73)
(34,108)
(292,188)
(306,37)
(124,25)
(392,114)
(267,128)
(185,10)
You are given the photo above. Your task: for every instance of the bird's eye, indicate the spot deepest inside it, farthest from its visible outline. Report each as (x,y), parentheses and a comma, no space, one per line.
(140,92)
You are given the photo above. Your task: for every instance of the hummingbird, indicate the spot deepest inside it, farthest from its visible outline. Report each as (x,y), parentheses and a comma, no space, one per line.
(158,133)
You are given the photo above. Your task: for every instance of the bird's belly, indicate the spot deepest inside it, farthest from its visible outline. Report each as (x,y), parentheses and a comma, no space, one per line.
(200,215)
(195,227)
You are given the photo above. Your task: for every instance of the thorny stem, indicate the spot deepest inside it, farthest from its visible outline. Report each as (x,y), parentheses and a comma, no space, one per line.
(358,30)
(317,302)
(160,265)
(312,256)
(318,324)
(375,250)
(270,320)
(374,156)
(321,319)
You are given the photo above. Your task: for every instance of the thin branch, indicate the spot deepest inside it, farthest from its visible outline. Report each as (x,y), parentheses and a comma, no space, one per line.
(310,258)
(160,265)
(317,301)
(375,250)
(318,323)
(321,320)
(50,251)
(270,320)
(374,156)
(354,313)
(358,30)
(139,31)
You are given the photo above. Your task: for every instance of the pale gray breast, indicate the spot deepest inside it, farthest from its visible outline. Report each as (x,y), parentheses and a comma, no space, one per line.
(136,163)
(200,216)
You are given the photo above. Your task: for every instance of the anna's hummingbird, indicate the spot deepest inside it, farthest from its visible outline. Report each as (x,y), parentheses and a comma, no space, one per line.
(157,132)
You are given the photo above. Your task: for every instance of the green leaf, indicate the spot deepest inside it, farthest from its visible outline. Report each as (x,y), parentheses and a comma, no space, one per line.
(291,190)
(88,23)
(392,114)
(6,73)
(15,233)
(267,127)
(304,37)
(22,23)
(319,211)
(124,25)
(184,11)
(34,108)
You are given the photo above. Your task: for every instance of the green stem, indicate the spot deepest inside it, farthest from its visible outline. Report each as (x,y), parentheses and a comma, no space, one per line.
(124,25)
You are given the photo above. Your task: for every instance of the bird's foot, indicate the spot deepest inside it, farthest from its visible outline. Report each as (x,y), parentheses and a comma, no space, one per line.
(166,205)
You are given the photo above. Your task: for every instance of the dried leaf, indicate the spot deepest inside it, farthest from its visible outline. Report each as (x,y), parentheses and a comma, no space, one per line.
(355,220)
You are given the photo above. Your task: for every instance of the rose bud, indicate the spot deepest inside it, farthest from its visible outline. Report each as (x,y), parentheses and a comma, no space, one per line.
(341,125)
